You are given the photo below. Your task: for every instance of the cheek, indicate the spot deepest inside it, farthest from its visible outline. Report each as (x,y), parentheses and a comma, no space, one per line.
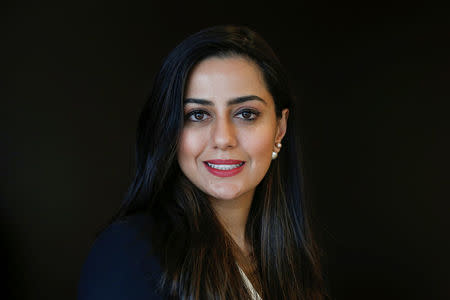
(260,144)
(191,146)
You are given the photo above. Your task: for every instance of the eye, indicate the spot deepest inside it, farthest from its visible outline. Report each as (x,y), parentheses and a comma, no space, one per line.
(197,116)
(248,114)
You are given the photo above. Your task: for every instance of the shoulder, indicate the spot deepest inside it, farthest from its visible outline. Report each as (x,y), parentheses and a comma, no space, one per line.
(120,264)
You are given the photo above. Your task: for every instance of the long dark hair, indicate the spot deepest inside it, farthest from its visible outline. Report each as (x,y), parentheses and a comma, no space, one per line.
(196,253)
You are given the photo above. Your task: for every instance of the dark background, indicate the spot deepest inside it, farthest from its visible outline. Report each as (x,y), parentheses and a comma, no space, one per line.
(373,82)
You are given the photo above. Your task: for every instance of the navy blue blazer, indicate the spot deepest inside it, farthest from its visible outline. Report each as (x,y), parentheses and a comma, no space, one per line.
(119,265)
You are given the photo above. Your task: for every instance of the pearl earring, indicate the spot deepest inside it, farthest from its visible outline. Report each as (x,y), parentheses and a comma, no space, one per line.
(274,154)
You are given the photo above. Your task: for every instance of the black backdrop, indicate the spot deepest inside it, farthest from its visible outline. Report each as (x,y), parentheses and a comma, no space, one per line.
(373,82)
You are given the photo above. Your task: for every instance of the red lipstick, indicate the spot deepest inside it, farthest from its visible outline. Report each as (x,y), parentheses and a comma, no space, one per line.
(222,167)
(225,161)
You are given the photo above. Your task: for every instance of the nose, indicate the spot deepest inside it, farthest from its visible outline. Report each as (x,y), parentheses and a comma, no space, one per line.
(224,135)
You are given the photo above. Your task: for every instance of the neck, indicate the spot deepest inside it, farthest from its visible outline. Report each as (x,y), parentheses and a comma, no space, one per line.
(233,214)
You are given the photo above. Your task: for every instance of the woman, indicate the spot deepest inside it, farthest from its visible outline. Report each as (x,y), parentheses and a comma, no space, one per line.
(215,210)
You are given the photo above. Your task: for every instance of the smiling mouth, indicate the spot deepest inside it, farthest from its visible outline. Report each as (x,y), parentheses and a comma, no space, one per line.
(224,167)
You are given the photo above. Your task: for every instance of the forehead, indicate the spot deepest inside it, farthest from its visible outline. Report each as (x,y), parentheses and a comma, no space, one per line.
(218,78)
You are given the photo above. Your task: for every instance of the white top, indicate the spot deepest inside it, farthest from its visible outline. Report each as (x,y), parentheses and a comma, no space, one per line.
(254,293)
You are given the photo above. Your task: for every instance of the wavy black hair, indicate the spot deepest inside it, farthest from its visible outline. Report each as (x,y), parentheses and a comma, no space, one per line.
(196,253)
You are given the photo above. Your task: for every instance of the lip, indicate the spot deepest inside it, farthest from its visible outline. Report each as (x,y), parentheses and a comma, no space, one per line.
(224,173)
(224,161)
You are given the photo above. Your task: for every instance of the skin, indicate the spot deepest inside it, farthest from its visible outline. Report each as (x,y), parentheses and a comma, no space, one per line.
(223,131)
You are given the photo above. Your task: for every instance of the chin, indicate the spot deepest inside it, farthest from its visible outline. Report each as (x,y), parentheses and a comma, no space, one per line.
(223,196)
(224,193)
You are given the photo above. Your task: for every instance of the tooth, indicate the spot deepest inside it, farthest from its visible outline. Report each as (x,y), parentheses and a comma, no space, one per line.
(225,167)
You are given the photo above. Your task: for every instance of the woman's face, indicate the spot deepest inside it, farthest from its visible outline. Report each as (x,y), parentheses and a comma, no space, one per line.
(230,128)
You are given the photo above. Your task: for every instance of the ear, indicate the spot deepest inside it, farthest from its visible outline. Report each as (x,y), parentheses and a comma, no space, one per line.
(282,125)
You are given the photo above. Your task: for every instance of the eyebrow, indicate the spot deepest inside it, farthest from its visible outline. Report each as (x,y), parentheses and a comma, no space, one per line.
(229,102)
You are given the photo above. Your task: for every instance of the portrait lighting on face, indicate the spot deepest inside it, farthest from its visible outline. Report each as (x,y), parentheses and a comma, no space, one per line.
(231,128)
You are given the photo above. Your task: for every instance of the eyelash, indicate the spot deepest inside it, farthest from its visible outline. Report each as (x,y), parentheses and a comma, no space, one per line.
(251,111)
